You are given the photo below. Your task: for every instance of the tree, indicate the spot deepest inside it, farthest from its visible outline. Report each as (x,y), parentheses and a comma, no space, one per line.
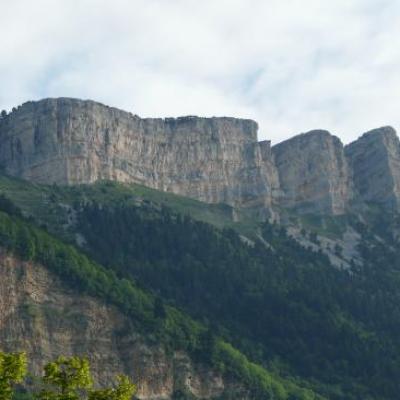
(3,114)
(123,391)
(70,379)
(207,346)
(8,206)
(25,244)
(12,371)
(159,309)
(66,378)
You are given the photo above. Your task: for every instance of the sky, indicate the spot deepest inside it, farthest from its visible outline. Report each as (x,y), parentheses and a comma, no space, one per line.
(291,65)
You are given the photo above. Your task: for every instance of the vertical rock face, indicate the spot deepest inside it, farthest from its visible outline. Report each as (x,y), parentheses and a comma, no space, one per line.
(41,316)
(215,160)
(72,141)
(375,162)
(313,173)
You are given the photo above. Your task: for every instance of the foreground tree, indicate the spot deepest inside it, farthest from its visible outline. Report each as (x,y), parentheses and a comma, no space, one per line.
(66,379)
(123,391)
(70,379)
(12,372)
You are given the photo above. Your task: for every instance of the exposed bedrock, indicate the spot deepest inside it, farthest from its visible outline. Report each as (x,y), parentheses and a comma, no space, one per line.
(72,141)
(375,162)
(313,173)
(215,160)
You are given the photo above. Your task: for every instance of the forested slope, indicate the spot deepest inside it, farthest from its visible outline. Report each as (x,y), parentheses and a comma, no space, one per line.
(161,323)
(281,304)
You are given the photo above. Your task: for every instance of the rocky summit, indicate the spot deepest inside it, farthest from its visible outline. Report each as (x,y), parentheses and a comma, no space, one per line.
(215,160)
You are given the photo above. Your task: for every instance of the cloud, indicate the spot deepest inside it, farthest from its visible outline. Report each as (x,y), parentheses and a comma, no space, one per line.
(293,65)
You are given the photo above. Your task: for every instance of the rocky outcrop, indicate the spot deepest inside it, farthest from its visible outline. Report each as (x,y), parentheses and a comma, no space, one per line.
(41,316)
(215,160)
(70,141)
(375,162)
(313,173)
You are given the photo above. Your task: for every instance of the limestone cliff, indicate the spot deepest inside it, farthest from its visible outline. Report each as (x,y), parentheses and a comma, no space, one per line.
(375,162)
(215,160)
(41,316)
(313,173)
(70,141)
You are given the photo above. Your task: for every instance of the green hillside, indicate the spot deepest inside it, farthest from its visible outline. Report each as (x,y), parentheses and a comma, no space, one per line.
(49,204)
(284,306)
(160,322)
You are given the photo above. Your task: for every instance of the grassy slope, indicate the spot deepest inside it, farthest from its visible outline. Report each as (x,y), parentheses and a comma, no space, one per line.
(49,204)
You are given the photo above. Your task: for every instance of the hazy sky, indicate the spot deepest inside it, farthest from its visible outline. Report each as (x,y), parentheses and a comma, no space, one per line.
(292,65)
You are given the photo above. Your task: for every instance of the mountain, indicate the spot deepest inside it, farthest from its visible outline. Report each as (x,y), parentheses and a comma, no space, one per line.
(281,303)
(215,160)
(198,261)
(68,141)
(55,299)
(375,161)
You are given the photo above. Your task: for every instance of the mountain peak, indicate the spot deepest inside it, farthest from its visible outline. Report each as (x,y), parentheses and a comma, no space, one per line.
(384,131)
(375,161)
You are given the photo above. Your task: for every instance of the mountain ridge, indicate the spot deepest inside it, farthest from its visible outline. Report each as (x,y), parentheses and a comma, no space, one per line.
(215,160)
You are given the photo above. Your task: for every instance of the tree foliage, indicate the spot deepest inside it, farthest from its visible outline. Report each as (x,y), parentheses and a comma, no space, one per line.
(164,324)
(13,367)
(66,378)
(282,304)
(123,391)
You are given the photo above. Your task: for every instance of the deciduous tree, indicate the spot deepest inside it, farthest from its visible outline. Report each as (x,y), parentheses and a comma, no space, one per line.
(12,371)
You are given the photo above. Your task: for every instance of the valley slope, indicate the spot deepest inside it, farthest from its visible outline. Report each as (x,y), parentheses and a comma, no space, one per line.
(283,305)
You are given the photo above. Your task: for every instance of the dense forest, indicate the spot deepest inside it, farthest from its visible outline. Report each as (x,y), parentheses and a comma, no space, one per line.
(161,323)
(306,326)
(283,304)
